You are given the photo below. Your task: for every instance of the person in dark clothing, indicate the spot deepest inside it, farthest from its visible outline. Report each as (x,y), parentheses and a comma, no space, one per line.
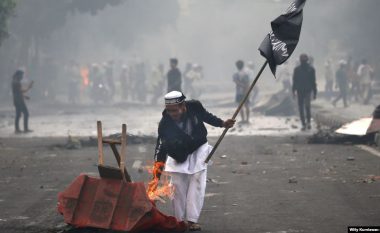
(182,148)
(341,83)
(304,85)
(19,102)
(174,76)
(109,78)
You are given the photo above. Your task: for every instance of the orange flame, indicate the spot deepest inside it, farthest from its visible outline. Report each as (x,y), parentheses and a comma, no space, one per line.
(84,72)
(155,190)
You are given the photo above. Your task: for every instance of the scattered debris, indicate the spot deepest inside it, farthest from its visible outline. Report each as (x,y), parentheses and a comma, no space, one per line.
(234,204)
(77,143)
(326,136)
(141,149)
(350,158)
(223,156)
(369,179)
(73,143)
(211,180)
(20,217)
(362,126)
(135,139)
(137,164)
(212,195)
(279,104)
(293,180)
(244,163)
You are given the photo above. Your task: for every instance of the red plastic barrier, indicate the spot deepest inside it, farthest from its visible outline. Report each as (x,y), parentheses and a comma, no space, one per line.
(112,204)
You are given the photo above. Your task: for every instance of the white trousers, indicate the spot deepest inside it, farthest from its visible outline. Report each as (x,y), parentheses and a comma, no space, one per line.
(189,193)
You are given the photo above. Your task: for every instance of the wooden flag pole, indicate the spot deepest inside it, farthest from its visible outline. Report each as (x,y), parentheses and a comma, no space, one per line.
(237,111)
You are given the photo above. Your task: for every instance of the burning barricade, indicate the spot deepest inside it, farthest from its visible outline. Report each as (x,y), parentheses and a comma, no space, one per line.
(113,201)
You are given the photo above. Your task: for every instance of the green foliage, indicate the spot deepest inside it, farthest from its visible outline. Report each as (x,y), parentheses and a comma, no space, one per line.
(6,10)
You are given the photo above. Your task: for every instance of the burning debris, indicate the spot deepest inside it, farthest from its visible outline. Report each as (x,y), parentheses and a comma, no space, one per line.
(155,191)
(113,201)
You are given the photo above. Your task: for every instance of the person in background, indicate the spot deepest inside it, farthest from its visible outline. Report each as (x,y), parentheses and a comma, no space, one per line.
(174,76)
(341,83)
(186,83)
(158,81)
(365,73)
(241,79)
(19,101)
(304,86)
(108,73)
(193,76)
(124,82)
(352,79)
(329,79)
(74,81)
(251,75)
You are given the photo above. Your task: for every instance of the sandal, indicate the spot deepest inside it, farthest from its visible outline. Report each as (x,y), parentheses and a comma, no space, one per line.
(194,226)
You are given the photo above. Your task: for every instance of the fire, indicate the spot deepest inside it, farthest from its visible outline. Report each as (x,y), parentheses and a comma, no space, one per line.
(159,188)
(84,74)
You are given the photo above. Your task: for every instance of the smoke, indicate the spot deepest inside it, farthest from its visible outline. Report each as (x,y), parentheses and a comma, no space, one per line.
(212,33)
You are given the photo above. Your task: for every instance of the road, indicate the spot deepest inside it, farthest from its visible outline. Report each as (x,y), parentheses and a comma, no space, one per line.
(257,183)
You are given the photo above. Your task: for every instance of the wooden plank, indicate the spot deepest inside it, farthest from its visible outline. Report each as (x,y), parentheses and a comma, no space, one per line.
(111,141)
(122,152)
(100,143)
(117,157)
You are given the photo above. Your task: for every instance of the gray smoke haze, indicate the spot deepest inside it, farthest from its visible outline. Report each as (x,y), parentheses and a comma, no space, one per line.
(212,33)
(215,33)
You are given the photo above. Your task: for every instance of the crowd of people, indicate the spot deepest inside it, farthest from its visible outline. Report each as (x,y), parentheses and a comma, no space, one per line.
(354,80)
(112,81)
(351,81)
(135,81)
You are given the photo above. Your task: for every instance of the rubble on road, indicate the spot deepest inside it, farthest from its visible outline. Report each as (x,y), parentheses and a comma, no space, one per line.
(293,180)
(280,104)
(76,143)
(327,136)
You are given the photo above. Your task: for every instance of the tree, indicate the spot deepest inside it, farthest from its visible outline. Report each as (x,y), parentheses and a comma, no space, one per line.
(6,10)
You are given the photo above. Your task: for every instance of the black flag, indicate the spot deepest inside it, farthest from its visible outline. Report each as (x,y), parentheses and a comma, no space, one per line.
(279,44)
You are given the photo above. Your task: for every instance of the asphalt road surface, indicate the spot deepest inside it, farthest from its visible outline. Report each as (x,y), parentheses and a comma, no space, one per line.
(256,184)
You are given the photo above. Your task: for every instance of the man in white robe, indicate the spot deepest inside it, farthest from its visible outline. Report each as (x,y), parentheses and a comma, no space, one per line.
(182,145)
